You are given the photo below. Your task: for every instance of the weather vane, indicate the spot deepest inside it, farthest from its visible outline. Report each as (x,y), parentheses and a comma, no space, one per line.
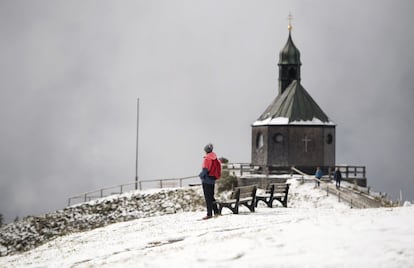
(290,18)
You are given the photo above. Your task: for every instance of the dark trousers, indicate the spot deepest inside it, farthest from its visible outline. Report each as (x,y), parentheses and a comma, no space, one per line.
(211,205)
(338,183)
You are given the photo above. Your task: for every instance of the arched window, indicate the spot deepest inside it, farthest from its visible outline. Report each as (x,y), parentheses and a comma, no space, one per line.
(292,73)
(329,139)
(259,141)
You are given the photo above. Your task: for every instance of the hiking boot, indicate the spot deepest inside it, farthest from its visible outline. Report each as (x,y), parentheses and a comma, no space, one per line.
(206,217)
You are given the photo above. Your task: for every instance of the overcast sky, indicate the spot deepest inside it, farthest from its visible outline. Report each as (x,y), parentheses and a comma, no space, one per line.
(71,73)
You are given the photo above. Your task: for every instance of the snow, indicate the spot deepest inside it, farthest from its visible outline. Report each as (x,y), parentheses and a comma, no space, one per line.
(314,231)
(285,121)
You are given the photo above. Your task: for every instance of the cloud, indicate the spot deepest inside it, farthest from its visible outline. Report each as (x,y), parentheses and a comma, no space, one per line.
(204,72)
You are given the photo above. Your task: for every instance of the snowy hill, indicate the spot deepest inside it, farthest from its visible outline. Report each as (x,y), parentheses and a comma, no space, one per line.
(33,231)
(314,231)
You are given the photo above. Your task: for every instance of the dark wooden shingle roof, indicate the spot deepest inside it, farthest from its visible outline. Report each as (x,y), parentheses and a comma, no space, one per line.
(294,106)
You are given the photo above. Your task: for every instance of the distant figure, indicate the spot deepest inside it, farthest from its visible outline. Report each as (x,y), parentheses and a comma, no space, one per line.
(337,177)
(318,175)
(208,181)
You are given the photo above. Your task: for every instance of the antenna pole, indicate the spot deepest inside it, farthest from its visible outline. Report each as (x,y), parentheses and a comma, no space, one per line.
(136,149)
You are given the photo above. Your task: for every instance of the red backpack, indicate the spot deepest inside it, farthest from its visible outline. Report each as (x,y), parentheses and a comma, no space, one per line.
(215,170)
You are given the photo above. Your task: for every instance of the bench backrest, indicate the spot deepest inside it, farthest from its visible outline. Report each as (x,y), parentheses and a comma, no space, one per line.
(278,187)
(244,191)
(276,180)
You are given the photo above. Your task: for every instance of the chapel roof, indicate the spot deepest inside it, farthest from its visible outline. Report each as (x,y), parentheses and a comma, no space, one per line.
(293,107)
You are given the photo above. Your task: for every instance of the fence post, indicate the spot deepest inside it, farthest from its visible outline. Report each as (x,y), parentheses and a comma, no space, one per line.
(101,192)
(122,186)
(85,196)
(181,183)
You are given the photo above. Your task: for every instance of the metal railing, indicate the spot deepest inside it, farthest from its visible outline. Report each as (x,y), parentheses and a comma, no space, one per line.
(236,169)
(128,187)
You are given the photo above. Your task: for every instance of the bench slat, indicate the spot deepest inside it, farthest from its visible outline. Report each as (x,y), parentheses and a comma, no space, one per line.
(275,191)
(244,195)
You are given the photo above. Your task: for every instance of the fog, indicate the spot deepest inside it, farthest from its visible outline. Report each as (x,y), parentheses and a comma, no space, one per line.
(204,71)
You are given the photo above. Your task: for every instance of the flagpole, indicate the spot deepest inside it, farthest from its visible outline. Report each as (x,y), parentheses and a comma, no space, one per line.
(136,149)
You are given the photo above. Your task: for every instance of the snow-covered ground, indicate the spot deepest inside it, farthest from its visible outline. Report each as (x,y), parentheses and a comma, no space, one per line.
(314,231)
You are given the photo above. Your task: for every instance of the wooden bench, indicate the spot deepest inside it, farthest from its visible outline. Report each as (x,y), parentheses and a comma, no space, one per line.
(275,191)
(245,195)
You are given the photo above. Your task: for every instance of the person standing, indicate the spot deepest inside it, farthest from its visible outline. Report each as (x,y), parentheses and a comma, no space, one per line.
(337,177)
(208,181)
(318,175)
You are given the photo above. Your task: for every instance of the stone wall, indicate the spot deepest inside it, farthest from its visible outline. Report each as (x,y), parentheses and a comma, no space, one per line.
(33,231)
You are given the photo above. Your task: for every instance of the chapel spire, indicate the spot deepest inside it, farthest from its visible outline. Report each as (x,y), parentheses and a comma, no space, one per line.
(289,61)
(293,130)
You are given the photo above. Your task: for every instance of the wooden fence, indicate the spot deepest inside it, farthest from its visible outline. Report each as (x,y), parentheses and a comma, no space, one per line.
(355,197)
(348,172)
(238,169)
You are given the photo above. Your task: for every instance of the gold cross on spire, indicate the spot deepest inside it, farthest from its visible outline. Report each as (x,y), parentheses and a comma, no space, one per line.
(290,18)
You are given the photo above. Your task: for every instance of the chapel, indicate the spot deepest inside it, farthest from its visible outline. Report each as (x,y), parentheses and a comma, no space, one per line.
(293,130)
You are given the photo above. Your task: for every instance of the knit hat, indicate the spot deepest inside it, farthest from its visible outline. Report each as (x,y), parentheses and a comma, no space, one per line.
(208,148)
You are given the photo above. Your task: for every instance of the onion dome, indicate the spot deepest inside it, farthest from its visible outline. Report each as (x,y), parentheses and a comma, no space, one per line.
(289,54)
